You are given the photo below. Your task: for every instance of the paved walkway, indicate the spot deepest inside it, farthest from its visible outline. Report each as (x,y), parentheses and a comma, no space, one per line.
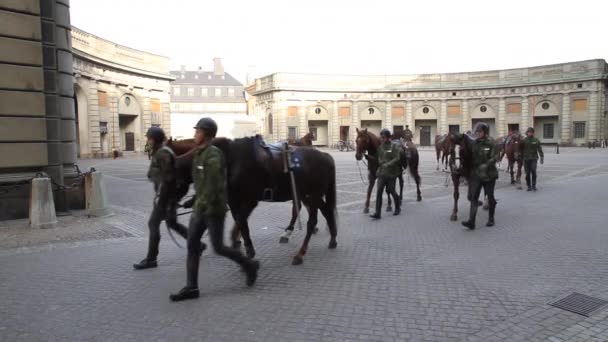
(417,277)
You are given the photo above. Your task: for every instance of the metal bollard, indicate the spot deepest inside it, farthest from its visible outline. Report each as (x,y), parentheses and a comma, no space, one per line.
(95,194)
(42,205)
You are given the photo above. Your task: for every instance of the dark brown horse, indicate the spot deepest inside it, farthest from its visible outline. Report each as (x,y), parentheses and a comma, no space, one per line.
(368,142)
(442,145)
(459,160)
(512,149)
(254,170)
(306,140)
(410,159)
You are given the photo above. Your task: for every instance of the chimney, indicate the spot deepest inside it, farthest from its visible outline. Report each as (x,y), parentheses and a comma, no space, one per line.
(183,68)
(200,69)
(218,69)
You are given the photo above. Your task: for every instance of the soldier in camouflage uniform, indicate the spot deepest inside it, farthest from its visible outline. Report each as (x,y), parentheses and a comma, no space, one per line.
(483,174)
(209,175)
(408,135)
(168,190)
(531,149)
(389,168)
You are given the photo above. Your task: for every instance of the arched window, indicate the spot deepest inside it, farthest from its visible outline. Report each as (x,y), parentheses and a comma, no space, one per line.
(270,123)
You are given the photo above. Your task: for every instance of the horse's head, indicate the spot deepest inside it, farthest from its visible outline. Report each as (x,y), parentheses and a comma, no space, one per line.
(307,139)
(515,144)
(459,146)
(363,143)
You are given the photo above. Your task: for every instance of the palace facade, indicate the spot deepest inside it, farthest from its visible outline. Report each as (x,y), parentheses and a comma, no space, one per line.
(565,103)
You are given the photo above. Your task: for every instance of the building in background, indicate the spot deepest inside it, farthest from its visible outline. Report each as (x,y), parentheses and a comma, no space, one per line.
(119,93)
(566,103)
(196,94)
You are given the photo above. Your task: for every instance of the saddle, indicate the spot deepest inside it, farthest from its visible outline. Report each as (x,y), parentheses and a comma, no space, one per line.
(280,162)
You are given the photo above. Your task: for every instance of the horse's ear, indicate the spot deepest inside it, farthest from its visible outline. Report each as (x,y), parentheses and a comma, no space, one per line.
(357,129)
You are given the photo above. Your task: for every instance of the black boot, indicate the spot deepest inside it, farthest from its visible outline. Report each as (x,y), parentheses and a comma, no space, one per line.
(375,216)
(491,216)
(185,293)
(146,263)
(251,270)
(397,211)
(472,213)
(203,247)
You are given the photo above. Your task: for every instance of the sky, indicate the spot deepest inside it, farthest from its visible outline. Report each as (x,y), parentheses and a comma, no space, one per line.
(352,37)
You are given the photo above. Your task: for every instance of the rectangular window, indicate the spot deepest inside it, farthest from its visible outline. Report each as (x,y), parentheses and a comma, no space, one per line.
(397,129)
(579,105)
(514,108)
(190,91)
(177,91)
(103,127)
(344,111)
(398,111)
(230,91)
(513,127)
(454,110)
(103,98)
(548,131)
(579,130)
(218,92)
(204,92)
(155,105)
(292,111)
(291,133)
(454,129)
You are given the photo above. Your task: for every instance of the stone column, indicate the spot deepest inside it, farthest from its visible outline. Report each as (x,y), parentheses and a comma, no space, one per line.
(566,120)
(466,117)
(282,122)
(166,117)
(93,112)
(409,116)
(388,117)
(146,122)
(443,118)
(502,120)
(525,123)
(335,119)
(354,119)
(593,118)
(302,119)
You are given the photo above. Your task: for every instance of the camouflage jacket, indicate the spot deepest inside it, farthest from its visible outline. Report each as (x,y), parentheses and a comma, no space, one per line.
(209,176)
(162,174)
(484,160)
(388,160)
(531,148)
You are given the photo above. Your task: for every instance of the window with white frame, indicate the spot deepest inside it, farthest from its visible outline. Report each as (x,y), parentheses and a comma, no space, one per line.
(579,130)
(177,91)
(230,91)
(204,92)
(190,91)
(292,133)
(218,91)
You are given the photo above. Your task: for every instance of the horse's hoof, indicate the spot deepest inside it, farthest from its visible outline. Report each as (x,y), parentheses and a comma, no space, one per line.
(283,239)
(453,217)
(366,211)
(250,252)
(519,187)
(332,244)
(316,230)
(419,198)
(389,209)
(297,260)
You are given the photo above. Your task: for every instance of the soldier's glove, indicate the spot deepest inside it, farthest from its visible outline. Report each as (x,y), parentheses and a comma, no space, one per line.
(189,203)
(542,161)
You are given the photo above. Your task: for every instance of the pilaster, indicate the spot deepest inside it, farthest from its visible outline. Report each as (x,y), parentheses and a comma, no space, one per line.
(501,125)
(566,120)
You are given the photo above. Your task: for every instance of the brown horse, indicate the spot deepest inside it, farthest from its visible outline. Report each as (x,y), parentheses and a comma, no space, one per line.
(306,140)
(255,169)
(442,145)
(512,149)
(459,161)
(368,142)
(410,159)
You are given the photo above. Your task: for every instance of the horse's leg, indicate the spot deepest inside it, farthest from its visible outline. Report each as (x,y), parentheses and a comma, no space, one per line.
(456,181)
(511,165)
(389,207)
(241,226)
(310,226)
(370,187)
(486,203)
(519,165)
(416,175)
(289,230)
(438,155)
(401,188)
(330,217)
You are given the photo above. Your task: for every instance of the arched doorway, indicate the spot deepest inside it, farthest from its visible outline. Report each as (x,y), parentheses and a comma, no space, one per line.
(129,124)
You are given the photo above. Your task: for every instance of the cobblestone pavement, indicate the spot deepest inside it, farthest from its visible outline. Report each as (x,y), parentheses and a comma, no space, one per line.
(416,277)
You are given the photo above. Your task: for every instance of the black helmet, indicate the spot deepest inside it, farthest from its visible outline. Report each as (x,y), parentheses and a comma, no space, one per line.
(208,125)
(156,133)
(530,129)
(482,126)
(385,133)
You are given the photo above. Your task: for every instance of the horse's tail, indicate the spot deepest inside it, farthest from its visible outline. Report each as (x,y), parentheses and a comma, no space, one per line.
(330,196)
(413,165)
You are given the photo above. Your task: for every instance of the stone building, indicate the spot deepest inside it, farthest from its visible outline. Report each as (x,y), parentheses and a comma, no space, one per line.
(119,93)
(199,93)
(37,121)
(566,103)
